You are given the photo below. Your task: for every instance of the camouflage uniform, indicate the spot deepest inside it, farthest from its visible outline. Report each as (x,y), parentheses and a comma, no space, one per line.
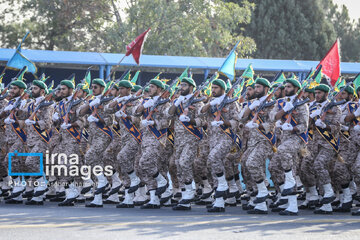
(151,148)
(286,157)
(3,164)
(326,155)
(220,144)
(186,144)
(35,143)
(98,140)
(15,143)
(259,148)
(68,144)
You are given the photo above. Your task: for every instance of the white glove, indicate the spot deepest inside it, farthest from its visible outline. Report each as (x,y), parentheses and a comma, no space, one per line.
(357,128)
(251,125)
(115,122)
(29,122)
(287,127)
(184,118)
(263,98)
(215,102)
(91,118)
(8,107)
(65,126)
(120,114)
(146,123)
(217,123)
(94,102)
(278,124)
(8,120)
(254,104)
(288,106)
(55,117)
(357,112)
(123,99)
(315,113)
(344,128)
(320,123)
(149,103)
(22,104)
(179,101)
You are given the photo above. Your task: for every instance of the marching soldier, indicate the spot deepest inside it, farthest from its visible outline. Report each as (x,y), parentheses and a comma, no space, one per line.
(221,138)
(294,125)
(188,134)
(260,143)
(100,136)
(325,143)
(154,126)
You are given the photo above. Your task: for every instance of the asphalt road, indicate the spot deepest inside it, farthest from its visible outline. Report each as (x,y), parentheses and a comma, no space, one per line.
(53,222)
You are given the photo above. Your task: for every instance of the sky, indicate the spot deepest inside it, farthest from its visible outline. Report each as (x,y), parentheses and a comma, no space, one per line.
(353,7)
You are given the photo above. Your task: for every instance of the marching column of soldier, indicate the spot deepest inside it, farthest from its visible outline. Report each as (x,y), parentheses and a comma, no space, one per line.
(177,149)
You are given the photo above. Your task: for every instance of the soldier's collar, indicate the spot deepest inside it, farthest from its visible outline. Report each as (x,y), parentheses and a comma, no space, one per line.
(39,99)
(155,98)
(291,98)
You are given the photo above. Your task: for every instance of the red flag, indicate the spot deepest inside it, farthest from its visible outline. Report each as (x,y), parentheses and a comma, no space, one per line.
(136,46)
(331,63)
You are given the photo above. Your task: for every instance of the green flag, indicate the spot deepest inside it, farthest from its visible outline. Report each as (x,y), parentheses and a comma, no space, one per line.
(135,78)
(249,72)
(357,83)
(22,73)
(340,83)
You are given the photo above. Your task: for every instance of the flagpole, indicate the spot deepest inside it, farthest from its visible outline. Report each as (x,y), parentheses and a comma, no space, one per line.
(115,66)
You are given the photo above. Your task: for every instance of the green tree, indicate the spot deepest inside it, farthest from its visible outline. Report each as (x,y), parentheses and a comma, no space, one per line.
(347,30)
(55,25)
(183,27)
(290,29)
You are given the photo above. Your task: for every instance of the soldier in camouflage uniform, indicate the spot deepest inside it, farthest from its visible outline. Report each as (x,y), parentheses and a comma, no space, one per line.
(188,133)
(130,140)
(38,137)
(325,152)
(4,178)
(70,138)
(100,136)
(260,142)
(15,137)
(293,138)
(153,141)
(220,143)
(353,161)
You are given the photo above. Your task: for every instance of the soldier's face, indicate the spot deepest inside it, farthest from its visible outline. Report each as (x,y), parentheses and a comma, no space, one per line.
(15,91)
(250,93)
(308,95)
(154,90)
(217,91)
(97,89)
(320,96)
(65,91)
(278,93)
(260,90)
(81,94)
(35,91)
(113,92)
(345,95)
(185,89)
(290,90)
(58,96)
(124,91)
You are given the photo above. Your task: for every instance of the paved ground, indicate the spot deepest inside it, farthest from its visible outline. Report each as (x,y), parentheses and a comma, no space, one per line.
(52,222)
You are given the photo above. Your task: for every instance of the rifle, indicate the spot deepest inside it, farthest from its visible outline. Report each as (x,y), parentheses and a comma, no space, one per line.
(103,98)
(227,99)
(332,103)
(72,102)
(265,103)
(193,99)
(163,98)
(44,103)
(18,102)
